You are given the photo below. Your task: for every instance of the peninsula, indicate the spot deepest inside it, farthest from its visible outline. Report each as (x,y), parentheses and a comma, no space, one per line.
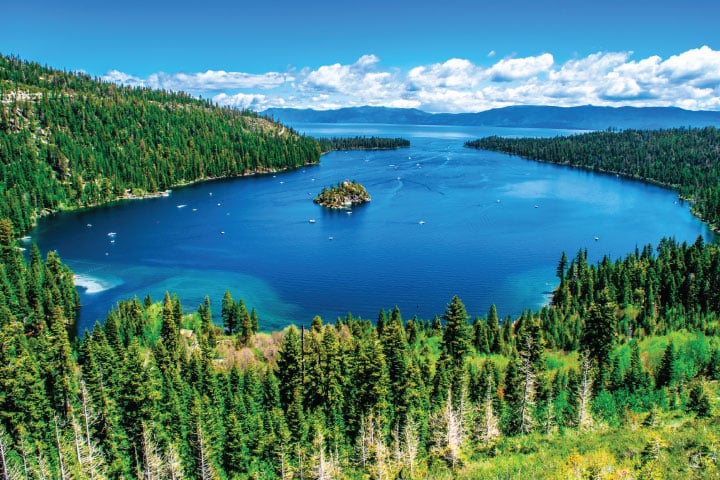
(343,195)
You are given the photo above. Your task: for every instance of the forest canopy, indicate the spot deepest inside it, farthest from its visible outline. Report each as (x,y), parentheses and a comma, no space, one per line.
(69,141)
(683,159)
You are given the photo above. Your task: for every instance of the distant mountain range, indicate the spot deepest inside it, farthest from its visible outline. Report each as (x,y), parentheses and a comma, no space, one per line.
(582,118)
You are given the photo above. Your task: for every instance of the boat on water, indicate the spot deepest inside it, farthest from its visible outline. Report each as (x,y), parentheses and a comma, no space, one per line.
(111,234)
(312,220)
(26,238)
(182,206)
(422,222)
(597,238)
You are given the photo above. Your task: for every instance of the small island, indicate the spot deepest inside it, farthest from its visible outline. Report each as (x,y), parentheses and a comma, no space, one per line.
(343,195)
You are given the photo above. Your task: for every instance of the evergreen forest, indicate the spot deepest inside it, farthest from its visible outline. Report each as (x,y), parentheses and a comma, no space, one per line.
(362,143)
(616,378)
(69,141)
(683,159)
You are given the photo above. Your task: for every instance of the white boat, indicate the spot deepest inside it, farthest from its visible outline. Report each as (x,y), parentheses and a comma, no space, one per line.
(26,238)
(111,234)
(222,232)
(330,237)
(312,220)
(182,206)
(597,238)
(89,225)
(422,222)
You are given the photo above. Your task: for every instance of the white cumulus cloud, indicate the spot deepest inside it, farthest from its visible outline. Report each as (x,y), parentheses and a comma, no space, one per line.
(507,70)
(689,79)
(208,81)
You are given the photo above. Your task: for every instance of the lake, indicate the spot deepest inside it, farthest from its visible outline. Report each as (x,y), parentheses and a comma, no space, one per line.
(443,220)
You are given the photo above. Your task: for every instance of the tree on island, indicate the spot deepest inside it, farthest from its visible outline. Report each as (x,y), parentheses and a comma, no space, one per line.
(343,195)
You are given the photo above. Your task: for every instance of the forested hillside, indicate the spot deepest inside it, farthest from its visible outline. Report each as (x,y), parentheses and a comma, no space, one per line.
(683,159)
(69,141)
(617,379)
(362,143)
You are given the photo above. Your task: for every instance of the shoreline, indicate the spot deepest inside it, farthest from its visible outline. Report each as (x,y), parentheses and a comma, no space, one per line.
(714,228)
(164,193)
(167,192)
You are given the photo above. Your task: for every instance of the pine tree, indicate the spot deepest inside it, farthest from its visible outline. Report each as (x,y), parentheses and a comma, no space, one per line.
(698,400)
(668,373)
(455,343)
(170,331)
(290,367)
(229,315)
(598,334)
(635,376)
(236,455)
(254,321)
(63,374)
(494,338)
(480,336)
(395,353)
(245,334)
(369,383)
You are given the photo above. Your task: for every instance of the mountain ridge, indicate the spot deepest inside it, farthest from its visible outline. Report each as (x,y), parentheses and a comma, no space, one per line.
(588,117)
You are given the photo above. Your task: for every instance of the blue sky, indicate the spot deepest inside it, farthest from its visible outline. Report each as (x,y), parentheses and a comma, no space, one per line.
(441,55)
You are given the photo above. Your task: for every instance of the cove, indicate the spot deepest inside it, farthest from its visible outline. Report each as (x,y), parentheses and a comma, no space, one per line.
(443,220)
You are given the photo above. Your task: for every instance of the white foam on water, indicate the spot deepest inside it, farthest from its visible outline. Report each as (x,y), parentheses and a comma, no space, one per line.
(91,284)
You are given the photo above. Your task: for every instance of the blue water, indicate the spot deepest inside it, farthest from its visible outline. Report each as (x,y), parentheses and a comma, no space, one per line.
(443,220)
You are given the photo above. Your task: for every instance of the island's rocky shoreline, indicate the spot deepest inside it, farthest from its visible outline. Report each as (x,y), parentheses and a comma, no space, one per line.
(344,195)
